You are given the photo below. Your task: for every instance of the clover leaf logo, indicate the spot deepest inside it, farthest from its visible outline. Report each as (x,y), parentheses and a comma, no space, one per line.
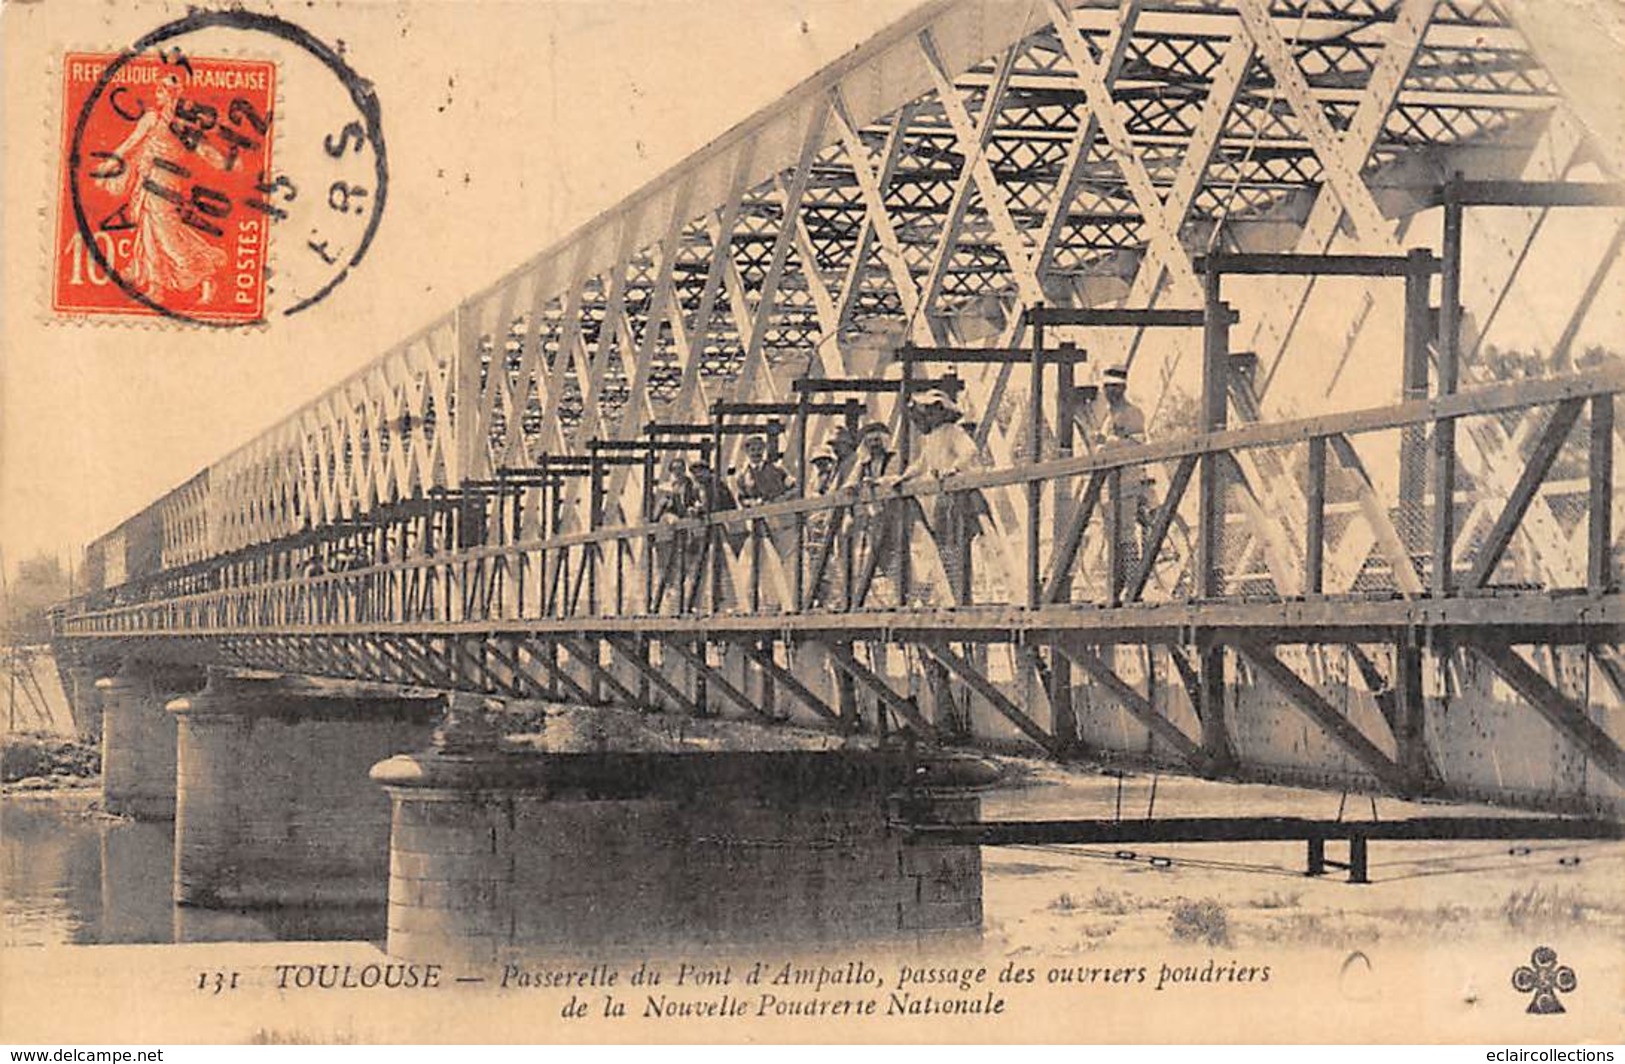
(1545,979)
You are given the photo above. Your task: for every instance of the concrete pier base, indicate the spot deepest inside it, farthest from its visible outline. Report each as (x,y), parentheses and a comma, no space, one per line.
(274,806)
(138,741)
(494,852)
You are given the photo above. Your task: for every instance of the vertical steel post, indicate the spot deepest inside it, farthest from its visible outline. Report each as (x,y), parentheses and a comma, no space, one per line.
(905,440)
(680,546)
(644,689)
(1410,734)
(1114,536)
(598,576)
(768,690)
(544,517)
(1214,414)
(1314,553)
(1358,860)
(595,521)
(1444,431)
(1035,445)
(713,531)
(650,562)
(1064,718)
(1414,385)
(649,475)
(846,695)
(622,547)
(1316,865)
(1210,705)
(1600,511)
(849,557)
(848,541)
(799,580)
(756,565)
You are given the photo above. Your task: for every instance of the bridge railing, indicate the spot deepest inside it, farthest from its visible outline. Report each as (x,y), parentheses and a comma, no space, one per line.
(762,245)
(1110,540)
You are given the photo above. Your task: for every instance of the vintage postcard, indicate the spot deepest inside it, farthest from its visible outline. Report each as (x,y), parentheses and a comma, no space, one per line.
(822,521)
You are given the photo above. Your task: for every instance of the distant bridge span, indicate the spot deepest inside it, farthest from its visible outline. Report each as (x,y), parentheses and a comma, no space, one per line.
(1415,592)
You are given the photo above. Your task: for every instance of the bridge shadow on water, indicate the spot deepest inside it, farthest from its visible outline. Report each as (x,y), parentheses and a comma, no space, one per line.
(74,876)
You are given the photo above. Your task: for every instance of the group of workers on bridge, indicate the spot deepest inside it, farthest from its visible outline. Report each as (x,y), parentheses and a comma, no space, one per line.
(942,446)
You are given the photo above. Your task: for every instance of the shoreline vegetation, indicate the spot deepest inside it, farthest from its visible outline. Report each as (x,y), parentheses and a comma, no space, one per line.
(34,762)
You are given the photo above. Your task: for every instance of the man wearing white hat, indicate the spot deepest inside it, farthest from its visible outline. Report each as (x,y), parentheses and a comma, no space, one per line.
(1122,421)
(823,478)
(943,448)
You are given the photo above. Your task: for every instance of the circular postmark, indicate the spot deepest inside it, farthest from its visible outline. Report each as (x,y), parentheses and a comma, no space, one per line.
(178,200)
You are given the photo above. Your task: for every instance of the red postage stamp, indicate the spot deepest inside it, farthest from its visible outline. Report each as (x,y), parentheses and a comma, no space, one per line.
(157,151)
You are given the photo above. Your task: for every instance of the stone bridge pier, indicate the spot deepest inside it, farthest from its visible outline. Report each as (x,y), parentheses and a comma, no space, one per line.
(138,737)
(274,806)
(84,702)
(498,851)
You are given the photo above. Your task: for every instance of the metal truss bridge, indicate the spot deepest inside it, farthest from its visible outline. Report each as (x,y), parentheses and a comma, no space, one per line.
(1368,556)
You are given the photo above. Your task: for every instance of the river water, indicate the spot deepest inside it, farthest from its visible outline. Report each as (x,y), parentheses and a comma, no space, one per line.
(69,874)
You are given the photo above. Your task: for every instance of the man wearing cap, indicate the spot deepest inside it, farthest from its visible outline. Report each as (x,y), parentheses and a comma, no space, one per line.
(1123,422)
(823,479)
(843,444)
(713,494)
(874,456)
(761,480)
(676,494)
(870,471)
(826,466)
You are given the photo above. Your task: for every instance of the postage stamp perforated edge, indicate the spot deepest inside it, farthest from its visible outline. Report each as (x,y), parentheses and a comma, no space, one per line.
(53,138)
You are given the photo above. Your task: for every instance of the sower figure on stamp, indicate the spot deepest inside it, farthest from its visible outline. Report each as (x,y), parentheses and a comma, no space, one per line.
(168,254)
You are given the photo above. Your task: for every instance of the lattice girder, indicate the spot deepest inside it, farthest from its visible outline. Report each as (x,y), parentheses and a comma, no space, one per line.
(976,150)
